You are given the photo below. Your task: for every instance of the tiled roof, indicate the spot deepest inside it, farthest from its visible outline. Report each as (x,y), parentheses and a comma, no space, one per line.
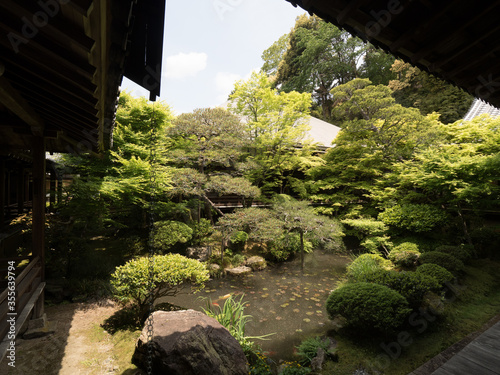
(322,132)
(480,107)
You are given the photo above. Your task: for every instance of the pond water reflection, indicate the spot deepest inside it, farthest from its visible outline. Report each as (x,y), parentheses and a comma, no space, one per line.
(281,300)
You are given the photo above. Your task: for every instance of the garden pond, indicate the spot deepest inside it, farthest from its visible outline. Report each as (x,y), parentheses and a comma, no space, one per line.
(280,299)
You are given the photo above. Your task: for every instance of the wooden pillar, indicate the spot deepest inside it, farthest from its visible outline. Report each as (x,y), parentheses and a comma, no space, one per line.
(39,200)
(20,190)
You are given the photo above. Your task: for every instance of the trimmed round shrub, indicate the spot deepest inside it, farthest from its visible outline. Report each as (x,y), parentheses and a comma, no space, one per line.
(368,306)
(410,285)
(366,263)
(164,273)
(444,260)
(442,275)
(405,254)
(462,252)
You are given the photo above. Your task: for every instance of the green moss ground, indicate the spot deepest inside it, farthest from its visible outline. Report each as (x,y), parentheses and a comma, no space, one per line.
(477,302)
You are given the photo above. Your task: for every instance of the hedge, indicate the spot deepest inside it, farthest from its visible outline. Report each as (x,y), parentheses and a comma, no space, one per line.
(444,260)
(442,275)
(368,306)
(410,285)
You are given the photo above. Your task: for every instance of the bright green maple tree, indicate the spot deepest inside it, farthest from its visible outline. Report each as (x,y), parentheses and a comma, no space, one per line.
(376,134)
(461,173)
(276,124)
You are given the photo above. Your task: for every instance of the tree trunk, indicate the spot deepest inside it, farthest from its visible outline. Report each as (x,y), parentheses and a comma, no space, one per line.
(464,225)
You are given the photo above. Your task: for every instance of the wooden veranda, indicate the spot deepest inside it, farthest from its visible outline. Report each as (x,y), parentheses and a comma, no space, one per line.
(61,65)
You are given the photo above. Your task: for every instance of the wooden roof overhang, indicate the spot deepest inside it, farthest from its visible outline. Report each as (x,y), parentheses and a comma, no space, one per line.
(454,39)
(61,64)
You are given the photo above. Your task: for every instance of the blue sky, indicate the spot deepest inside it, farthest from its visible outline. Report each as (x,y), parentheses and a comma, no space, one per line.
(210,44)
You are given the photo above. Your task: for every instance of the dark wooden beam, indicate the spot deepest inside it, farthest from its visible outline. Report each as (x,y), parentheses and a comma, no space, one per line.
(56,28)
(62,106)
(69,91)
(419,27)
(451,31)
(80,6)
(466,47)
(46,51)
(42,67)
(348,10)
(11,99)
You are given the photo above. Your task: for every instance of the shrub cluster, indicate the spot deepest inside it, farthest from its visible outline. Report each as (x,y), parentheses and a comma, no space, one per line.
(368,306)
(132,281)
(439,273)
(417,218)
(308,349)
(410,285)
(366,263)
(462,252)
(405,254)
(444,260)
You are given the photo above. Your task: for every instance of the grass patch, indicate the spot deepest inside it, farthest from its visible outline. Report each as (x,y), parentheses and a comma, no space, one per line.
(123,349)
(478,302)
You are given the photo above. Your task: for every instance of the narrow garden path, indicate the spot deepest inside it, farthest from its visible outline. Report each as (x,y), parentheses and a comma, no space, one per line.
(67,350)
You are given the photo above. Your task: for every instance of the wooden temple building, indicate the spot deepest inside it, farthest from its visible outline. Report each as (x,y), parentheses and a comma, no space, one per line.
(61,65)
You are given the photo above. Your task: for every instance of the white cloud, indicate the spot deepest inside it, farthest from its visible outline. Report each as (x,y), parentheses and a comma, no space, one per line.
(185,65)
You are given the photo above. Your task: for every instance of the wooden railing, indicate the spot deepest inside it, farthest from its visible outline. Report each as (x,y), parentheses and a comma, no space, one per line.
(28,287)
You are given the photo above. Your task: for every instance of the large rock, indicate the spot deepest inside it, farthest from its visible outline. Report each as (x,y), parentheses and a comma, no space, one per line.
(189,342)
(256,263)
(201,253)
(238,271)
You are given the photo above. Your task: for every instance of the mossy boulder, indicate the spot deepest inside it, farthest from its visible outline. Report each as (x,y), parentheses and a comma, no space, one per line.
(256,263)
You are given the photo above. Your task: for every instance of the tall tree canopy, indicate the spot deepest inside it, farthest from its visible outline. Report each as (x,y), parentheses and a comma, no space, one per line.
(207,145)
(276,124)
(120,178)
(317,56)
(376,133)
(274,54)
(462,172)
(320,56)
(416,88)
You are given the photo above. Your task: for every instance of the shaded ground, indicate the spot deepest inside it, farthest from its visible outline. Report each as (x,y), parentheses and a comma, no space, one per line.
(70,350)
